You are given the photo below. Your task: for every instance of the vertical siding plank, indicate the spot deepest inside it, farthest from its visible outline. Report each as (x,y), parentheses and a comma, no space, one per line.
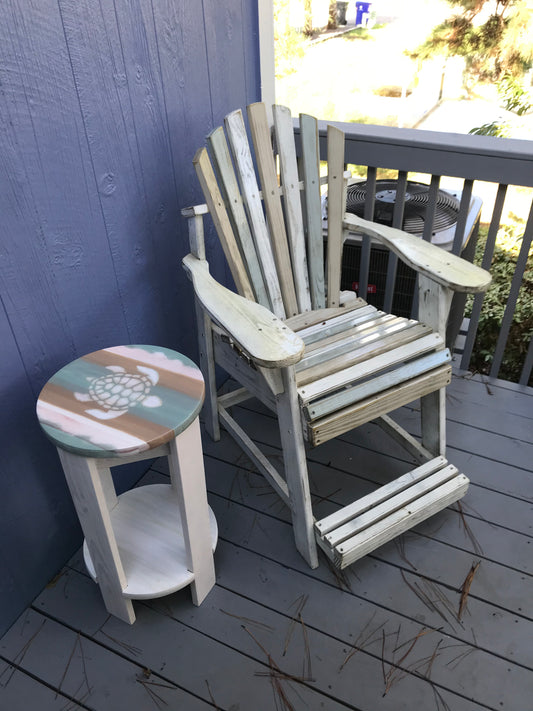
(110,64)
(53,240)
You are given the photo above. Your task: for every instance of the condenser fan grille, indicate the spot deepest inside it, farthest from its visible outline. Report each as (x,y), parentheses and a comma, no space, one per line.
(416,204)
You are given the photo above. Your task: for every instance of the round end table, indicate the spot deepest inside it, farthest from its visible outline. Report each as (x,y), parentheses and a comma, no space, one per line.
(120,405)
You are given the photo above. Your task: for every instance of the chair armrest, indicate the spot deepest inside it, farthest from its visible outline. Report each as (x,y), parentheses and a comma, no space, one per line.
(432,261)
(261,335)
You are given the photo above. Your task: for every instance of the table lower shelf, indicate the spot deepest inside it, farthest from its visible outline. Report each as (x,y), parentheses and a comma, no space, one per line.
(149,534)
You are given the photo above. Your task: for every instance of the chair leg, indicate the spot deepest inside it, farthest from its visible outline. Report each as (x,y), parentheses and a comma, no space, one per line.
(207,366)
(295,461)
(433,416)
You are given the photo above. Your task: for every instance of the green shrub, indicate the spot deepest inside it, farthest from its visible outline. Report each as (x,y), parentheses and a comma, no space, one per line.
(508,244)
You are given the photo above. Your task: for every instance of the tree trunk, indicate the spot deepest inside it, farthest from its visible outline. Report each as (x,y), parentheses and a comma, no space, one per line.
(332,19)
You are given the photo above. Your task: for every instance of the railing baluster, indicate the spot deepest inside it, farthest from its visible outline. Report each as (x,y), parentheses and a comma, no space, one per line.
(366,243)
(528,365)
(397,221)
(431,209)
(462,217)
(513,296)
(486,262)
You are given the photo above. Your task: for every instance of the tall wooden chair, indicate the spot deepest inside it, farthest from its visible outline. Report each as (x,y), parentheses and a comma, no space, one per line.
(321,359)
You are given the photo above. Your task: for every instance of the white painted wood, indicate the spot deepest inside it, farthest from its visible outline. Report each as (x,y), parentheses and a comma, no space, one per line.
(363,327)
(382,383)
(206,177)
(265,16)
(350,351)
(250,190)
(196,236)
(312,318)
(294,458)
(355,415)
(434,301)
(433,420)
(187,475)
(258,458)
(325,385)
(93,495)
(245,373)
(408,442)
(366,503)
(401,520)
(338,324)
(207,366)
(433,309)
(292,204)
(235,206)
(444,268)
(396,500)
(271,194)
(313,209)
(336,208)
(256,330)
(149,533)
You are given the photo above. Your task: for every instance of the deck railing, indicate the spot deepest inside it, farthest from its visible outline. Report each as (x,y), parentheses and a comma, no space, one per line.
(472,162)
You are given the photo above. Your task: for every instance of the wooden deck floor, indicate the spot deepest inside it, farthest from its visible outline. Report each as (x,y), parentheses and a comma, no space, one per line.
(273,634)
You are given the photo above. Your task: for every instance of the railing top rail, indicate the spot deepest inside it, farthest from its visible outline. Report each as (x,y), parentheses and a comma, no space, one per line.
(499,160)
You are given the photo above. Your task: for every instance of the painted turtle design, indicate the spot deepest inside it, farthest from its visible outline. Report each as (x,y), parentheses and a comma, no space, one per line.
(118,391)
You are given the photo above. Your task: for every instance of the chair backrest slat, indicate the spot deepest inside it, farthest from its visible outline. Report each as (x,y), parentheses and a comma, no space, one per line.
(313,209)
(215,203)
(293,204)
(266,166)
(336,204)
(232,196)
(250,191)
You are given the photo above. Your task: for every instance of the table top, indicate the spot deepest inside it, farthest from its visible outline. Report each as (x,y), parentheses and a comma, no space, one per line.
(121,400)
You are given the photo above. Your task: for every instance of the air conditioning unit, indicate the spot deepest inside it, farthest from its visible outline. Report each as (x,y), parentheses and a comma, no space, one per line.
(414,217)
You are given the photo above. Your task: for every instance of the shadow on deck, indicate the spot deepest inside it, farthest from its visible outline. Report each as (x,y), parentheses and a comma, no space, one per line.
(438,619)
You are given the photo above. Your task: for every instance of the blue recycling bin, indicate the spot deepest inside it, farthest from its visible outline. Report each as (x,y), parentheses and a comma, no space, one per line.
(362,11)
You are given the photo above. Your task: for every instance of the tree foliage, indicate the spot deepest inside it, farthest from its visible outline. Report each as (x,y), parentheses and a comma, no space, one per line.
(494,37)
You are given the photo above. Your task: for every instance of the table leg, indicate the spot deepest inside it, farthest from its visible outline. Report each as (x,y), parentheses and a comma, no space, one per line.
(93,494)
(187,474)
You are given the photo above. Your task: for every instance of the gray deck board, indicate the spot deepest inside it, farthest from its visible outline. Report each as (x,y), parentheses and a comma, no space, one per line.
(365,632)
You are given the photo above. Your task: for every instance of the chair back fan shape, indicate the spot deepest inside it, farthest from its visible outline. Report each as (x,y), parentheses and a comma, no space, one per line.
(322,360)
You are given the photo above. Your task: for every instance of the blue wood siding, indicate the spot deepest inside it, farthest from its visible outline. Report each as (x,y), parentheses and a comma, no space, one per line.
(102,107)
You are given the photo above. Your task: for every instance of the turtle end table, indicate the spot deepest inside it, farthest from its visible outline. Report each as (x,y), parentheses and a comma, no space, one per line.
(121,405)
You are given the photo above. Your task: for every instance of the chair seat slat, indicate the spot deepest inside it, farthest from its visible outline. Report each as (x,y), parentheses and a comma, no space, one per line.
(326,385)
(355,350)
(338,324)
(390,379)
(311,318)
(250,190)
(325,428)
(362,327)
(222,159)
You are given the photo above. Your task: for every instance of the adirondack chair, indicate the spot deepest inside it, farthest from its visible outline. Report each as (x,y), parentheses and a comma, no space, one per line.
(321,359)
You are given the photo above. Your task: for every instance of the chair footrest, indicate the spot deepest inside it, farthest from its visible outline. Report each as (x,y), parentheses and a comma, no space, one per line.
(369,522)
